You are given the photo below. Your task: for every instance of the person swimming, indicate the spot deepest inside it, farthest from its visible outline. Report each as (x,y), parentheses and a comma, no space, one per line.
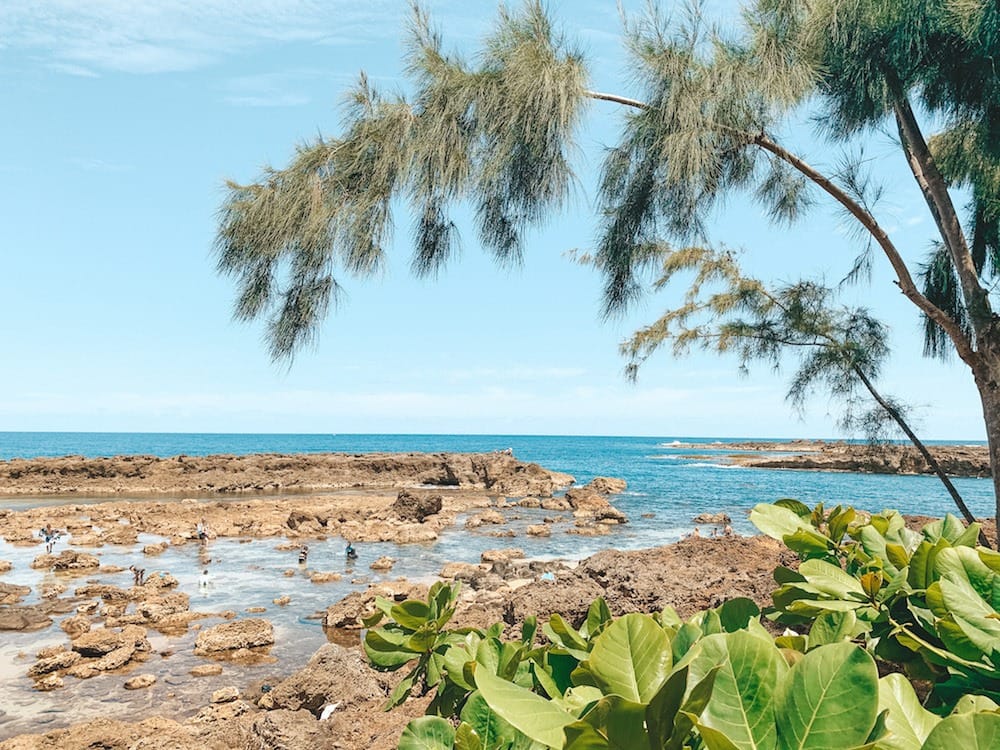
(203,581)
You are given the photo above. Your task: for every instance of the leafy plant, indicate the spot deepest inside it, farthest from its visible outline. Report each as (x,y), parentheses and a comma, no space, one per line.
(926,599)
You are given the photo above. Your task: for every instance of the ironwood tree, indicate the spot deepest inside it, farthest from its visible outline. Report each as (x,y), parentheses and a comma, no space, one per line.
(498,132)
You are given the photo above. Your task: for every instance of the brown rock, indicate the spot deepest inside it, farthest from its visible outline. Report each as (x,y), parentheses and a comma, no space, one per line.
(237,634)
(606,485)
(54,663)
(501,555)
(67,560)
(411,505)
(281,601)
(12,594)
(225,695)
(334,675)
(712,519)
(5,565)
(324,577)
(105,640)
(140,681)
(155,549)
(540,529)
(206,670)
(383,563)
(75,626)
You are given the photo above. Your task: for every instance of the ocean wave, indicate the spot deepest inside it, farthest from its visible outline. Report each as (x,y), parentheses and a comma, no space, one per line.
(705,465)
(671,444)
(666,457)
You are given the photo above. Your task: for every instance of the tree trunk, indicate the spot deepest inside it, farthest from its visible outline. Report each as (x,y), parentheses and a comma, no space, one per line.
(989,393)
(928,456)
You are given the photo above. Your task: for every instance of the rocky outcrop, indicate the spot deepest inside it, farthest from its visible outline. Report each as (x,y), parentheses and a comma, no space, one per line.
(586,503)
(334,675)
(232,636)
(68,561)
(955,460)
(416,506)
(606,485)
(11,593)
(498,472)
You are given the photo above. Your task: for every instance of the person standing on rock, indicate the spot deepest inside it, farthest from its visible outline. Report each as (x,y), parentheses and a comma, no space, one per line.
(202,531)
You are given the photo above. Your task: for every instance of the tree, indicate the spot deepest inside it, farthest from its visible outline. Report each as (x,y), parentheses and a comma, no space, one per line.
(498,134)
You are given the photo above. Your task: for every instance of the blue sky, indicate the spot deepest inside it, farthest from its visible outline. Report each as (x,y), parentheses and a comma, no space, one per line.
(121,122)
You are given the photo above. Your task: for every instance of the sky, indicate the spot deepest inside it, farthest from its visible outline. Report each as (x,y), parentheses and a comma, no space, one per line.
(121,123)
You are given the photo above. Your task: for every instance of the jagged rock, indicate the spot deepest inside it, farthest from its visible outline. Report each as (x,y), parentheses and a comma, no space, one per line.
(115,659)
(414,506)
(49,682)
(225,695)
(324,577)
(333,675)
(712,519)
(501,555)
(281,601)
(206,670)
(75,626)
(238,634)
(540,529)
(68,560)
(492,517)
(5,565)
(160,607)
(556,503)
(103,591)
(288,729)
(155,549)
(587,502)
(466,572)
(414,534)
(383,563)
(255,610)
(32,617)
(606,485)
(105,640)
(54,663)
(51,590)
(140,681)
(12,594)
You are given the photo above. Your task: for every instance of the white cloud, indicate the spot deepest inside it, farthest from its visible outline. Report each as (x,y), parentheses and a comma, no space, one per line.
(82,38)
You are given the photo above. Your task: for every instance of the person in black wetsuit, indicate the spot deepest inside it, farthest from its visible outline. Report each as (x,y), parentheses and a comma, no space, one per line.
(351,552)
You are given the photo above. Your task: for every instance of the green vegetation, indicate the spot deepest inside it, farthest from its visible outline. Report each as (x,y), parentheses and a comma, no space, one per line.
(866,590)
(705,126)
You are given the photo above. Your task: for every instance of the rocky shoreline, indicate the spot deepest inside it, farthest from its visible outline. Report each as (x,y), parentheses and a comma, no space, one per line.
(819,455)
(109,629)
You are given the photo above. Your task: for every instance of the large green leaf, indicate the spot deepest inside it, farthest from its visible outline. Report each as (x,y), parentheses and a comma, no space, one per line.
(908,722)
(833,627)
(541,720)
(777,522)
(428,733)
(488,725)
(963,562)
(412,614)
(977,619)
(828,700)
(612,724)
(631,658)
(832,580)
(466,738)
(966,732)
(742,703)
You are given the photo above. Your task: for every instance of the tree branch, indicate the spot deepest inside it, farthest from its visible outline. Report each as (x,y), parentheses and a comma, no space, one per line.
(904,279)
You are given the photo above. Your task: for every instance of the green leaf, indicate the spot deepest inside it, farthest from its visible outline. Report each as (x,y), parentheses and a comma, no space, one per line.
(975,617)
(742,703)
(631,658)
(401,692)
(412,614)
(923,563)
(567,634)
(833,627)
(490,728)
(598,617)
(965,563)
(832,580)
(973,703)
(428,733)
(662,710)
(541,720)
(808,543)
(686,637)
(908,722)
(979,731)
(613,721)
(776,521)
(466,738)
(797,507)
(828,701)
(736,614)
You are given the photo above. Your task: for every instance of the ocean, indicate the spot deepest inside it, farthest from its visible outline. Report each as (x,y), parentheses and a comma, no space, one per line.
(660,479)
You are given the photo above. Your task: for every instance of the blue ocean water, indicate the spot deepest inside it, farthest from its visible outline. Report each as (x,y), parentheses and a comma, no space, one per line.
(661,480)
